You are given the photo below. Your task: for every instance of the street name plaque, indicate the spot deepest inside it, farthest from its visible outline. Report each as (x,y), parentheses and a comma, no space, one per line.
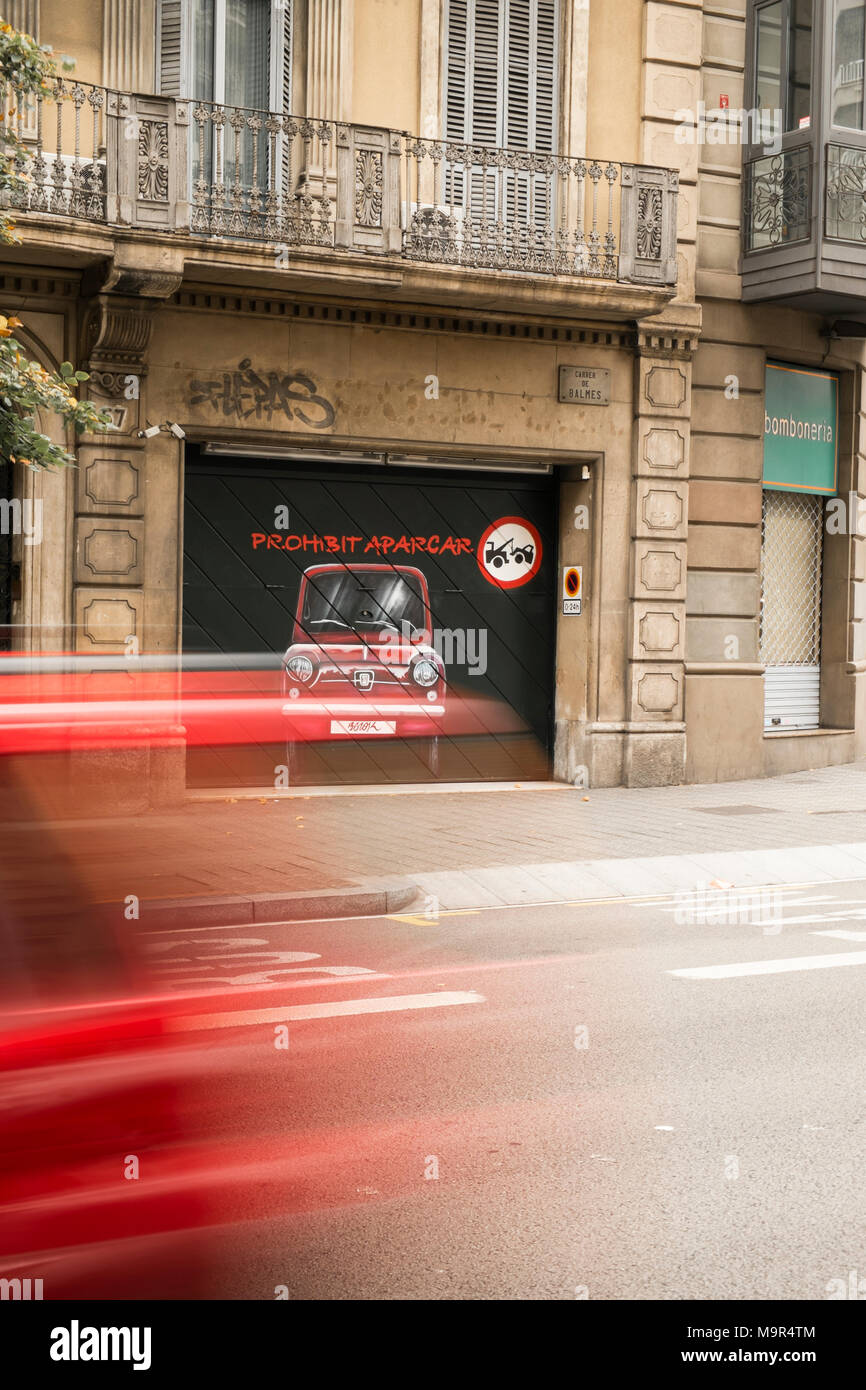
(584,385)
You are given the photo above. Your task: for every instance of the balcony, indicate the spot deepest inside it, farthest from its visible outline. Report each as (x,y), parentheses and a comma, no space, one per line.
(805,228)
(239,196)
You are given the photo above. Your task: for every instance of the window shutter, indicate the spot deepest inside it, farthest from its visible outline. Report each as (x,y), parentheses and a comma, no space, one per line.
(172,49)
(517,72)
(280,52)
(457,71)
(546,78)
(487,73)
(280,56)
(501,73)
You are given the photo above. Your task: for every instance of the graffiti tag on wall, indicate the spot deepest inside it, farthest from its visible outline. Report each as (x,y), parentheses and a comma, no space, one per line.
(245,394)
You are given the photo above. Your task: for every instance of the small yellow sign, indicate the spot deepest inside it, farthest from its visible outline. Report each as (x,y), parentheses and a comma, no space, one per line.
(572,587)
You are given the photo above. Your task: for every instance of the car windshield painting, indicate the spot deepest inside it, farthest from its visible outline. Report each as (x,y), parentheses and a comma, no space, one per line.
(358,600)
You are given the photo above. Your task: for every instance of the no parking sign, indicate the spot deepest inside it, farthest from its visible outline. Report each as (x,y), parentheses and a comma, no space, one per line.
(572,589)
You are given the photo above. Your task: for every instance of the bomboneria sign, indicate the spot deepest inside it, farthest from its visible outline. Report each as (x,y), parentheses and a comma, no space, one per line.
(801,427)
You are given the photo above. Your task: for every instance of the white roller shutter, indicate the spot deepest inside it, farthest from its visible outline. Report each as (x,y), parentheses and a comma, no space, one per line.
(790,648)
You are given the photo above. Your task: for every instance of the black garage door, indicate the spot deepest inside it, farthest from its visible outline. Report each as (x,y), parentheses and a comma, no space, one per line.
(458,566)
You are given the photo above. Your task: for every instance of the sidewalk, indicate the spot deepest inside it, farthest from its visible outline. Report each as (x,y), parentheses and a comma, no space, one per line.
(479,846)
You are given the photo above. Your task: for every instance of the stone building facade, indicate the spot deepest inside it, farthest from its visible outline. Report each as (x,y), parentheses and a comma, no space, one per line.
(370,263)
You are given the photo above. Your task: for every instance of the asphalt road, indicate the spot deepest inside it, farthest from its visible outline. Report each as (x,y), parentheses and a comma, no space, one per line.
(546,1110)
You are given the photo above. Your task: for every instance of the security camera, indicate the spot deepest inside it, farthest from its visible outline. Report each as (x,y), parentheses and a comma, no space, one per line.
(149,432)
(176,430)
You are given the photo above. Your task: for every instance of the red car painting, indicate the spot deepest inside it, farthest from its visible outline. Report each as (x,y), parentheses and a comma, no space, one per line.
(362,662)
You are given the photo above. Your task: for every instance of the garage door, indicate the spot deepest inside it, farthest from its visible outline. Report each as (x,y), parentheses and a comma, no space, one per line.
(415,608)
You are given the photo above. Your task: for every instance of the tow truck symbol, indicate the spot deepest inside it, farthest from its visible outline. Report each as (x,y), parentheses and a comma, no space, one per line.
(497,555)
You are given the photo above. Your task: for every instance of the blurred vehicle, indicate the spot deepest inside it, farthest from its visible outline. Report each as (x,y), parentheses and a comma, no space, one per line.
(131,1143)
(86,1084)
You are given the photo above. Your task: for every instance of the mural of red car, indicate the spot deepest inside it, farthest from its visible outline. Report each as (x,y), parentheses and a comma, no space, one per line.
(362,662)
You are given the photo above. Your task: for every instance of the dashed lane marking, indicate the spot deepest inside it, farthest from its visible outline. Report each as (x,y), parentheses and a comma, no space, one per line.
(337,1008)
(770,967)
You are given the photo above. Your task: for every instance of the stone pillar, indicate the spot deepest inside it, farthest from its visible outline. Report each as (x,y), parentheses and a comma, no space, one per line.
(127,41)
(110,590)
(654,737)
(23,15)
(330,28)
(329,59)
(673,34)
(110,493)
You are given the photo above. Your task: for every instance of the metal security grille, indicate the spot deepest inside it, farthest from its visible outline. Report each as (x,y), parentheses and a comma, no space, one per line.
(790,644)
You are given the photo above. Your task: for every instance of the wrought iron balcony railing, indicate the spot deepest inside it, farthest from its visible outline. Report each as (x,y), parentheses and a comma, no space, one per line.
(781,196)
(846,193)
(207,171)
(805,226)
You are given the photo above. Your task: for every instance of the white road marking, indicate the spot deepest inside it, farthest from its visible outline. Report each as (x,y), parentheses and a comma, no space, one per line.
(224,926)
(770,967)
(338,1008)
(843,935)
(161,948)
(716,899)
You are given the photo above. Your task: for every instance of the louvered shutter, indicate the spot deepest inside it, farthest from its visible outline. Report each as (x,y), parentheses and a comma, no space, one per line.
(501,91)
(519,60)
(280,66)
(458,77)
(545,113)
(486,74)
(172,47)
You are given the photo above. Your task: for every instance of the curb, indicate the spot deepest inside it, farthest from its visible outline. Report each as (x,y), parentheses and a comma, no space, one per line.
(373,900)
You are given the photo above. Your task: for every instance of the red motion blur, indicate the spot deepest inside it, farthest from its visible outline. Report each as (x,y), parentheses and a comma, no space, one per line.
(87,1090)
(117,702)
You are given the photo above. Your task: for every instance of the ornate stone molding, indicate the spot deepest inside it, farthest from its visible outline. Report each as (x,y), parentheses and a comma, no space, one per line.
(153,161)
(116,336)
(148,284)
(664,342)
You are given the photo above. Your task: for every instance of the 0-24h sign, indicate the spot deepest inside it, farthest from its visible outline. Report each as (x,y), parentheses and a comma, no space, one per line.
(572,590)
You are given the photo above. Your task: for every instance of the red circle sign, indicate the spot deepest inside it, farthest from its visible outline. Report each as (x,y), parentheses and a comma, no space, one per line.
(509,552)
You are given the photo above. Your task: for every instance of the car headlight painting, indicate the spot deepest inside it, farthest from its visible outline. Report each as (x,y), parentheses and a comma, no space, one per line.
(425,673)
(301,667)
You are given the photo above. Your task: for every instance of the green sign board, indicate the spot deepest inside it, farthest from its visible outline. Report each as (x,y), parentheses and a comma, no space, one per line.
(801,427)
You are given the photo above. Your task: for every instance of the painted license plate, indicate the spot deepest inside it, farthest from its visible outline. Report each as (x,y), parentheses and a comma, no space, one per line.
(363,726)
